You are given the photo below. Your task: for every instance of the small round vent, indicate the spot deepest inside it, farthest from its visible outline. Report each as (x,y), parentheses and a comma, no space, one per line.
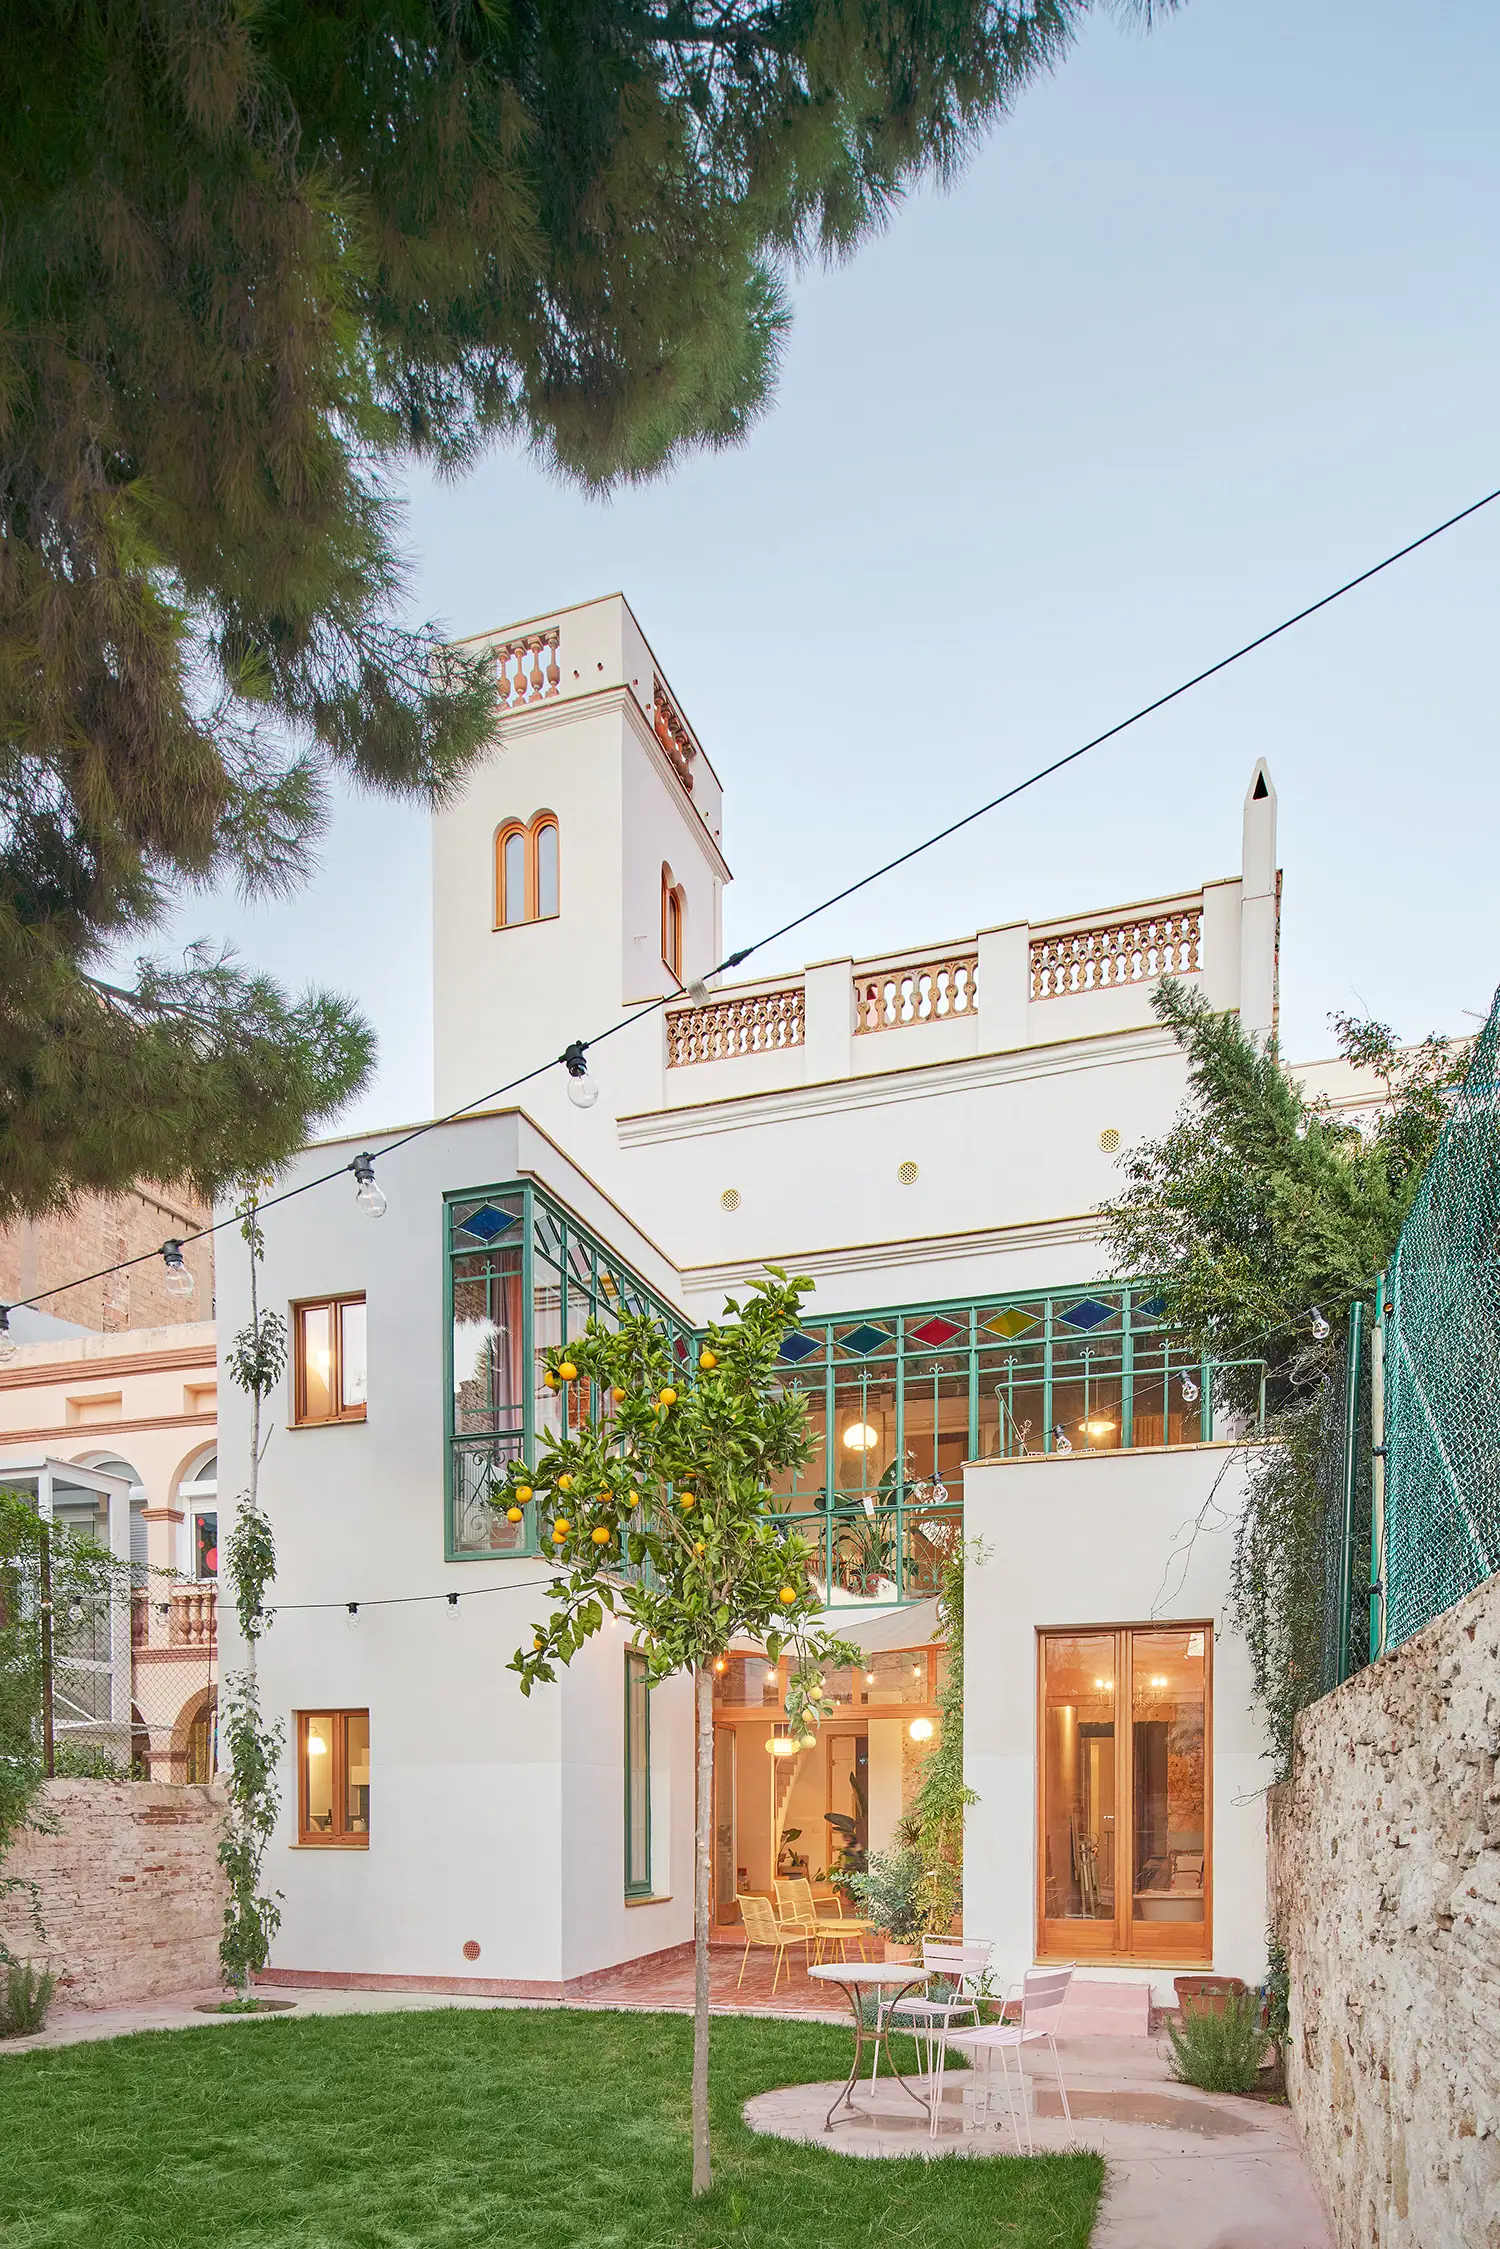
(908,1174)
(730,1199)
(471,1950)
(1109,1140)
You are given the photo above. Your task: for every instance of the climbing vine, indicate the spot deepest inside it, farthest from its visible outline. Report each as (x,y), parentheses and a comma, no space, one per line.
(942,1799)
(252,1748)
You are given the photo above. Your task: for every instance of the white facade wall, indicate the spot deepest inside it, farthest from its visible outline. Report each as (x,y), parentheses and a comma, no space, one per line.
(1102,1539)
(495,1819)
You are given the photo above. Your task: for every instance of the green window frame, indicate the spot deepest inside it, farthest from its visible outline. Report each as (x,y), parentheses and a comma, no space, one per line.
(521,1273)
(637,1776)
(901,1398)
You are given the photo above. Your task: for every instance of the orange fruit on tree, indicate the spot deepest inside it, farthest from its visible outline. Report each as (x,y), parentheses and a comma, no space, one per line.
(567,1372)
(687,1500)
(565,1482)
(668,1397)
(708,1358)
(599,1535)
(618,1395)
(523,1493)
(788,1595)
(561,1527)
(515,1514)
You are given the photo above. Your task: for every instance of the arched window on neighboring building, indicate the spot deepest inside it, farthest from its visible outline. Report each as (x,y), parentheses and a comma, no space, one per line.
(672,917)
(526,870)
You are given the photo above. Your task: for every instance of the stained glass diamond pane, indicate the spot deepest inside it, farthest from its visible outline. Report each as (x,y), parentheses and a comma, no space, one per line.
(487,1222)
(935,1331)
(795,1346)
(1088,1312)
(1153,1307)
(865,1338)
(1011,1322)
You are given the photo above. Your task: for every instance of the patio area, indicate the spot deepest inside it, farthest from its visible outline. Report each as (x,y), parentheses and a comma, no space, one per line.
(1186,2170)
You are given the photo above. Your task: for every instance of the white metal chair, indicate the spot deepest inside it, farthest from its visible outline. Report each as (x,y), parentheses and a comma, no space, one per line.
(1043,1991)
(963,1963)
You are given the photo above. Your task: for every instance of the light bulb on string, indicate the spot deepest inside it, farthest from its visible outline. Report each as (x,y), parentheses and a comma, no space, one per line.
(1189,1388)
(368,1192)
(8,1344)
(582,1091)
(1319,1325)
(179,1280)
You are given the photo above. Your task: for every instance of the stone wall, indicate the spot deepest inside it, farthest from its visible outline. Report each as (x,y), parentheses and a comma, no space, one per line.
(1385,1868)
(131,1895)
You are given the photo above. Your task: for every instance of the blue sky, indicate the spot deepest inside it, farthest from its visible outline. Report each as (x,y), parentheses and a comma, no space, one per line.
(1208,326)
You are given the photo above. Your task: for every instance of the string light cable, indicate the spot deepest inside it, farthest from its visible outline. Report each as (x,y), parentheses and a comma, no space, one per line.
(573,1058)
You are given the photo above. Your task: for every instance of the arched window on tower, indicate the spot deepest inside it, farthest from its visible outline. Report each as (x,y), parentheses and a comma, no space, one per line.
(671,922)
(526,870)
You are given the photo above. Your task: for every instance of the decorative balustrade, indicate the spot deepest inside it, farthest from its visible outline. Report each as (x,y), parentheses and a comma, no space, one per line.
(672,733)
(1169,943)
(527,669)
(192,1621)
(758,1023)
(922,992)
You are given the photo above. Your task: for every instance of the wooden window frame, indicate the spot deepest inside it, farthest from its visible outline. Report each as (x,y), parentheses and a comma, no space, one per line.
(635,1663)
(673,899)
(342,1415)
(1117,1940)
(338,1837)
(532,830)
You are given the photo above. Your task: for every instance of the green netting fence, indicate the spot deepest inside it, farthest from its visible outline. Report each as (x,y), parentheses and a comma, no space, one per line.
(1441,1368)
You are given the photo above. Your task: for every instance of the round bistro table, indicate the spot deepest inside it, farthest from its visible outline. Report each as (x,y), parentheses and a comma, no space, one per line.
(854,1978)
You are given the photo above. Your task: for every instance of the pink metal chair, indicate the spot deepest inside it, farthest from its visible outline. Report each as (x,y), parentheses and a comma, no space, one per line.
(1043,1991)
(962,1964)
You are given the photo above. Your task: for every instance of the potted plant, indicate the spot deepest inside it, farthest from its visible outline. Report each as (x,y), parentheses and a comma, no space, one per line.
(889,1893)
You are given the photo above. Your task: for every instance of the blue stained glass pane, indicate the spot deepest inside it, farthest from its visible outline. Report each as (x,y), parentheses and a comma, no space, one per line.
(1153,1307)
(865,1338)
(487,1222)
(1087,1313)
(795,1346)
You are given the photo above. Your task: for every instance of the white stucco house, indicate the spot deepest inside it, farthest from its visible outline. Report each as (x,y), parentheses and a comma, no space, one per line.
(929,1136)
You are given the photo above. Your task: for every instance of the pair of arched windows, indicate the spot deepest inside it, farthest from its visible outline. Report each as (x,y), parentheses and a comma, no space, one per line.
(673,921)
(526,871)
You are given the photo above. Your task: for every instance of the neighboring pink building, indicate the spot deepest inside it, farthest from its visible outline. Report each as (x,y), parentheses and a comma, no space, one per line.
(137,1409)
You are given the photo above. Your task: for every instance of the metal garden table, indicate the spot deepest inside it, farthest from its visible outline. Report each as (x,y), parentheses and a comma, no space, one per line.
(854,1978)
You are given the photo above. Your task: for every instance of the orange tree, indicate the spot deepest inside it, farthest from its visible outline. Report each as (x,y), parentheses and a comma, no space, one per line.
(656,1502)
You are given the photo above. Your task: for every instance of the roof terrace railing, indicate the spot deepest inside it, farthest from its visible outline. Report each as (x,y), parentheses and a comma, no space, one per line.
(755,1023)
(1155,941)
(925,991)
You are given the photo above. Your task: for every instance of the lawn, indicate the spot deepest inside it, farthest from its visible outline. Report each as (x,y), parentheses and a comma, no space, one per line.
(498,2129)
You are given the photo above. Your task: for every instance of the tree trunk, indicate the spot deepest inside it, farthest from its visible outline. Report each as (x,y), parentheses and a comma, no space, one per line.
(703,1686)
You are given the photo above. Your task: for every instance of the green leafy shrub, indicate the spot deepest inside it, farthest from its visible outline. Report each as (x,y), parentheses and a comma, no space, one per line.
(85,1760)
(1219,2049)
(25,1998)
(890,1892)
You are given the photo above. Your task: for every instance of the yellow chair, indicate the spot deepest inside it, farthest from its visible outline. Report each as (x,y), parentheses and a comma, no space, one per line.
(763,1928)
(798,1903)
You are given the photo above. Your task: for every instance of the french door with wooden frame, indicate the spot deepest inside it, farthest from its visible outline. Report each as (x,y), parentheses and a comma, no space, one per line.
(1124,1794)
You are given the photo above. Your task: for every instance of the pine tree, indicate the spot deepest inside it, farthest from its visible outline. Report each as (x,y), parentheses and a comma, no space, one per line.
(256,253)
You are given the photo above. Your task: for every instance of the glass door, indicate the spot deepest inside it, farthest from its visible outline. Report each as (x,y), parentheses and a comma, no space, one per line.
(1124,1852)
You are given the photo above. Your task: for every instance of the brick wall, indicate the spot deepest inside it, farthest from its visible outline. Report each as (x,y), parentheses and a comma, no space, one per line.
(37,1253)
(132,1899)
(1385,1869)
